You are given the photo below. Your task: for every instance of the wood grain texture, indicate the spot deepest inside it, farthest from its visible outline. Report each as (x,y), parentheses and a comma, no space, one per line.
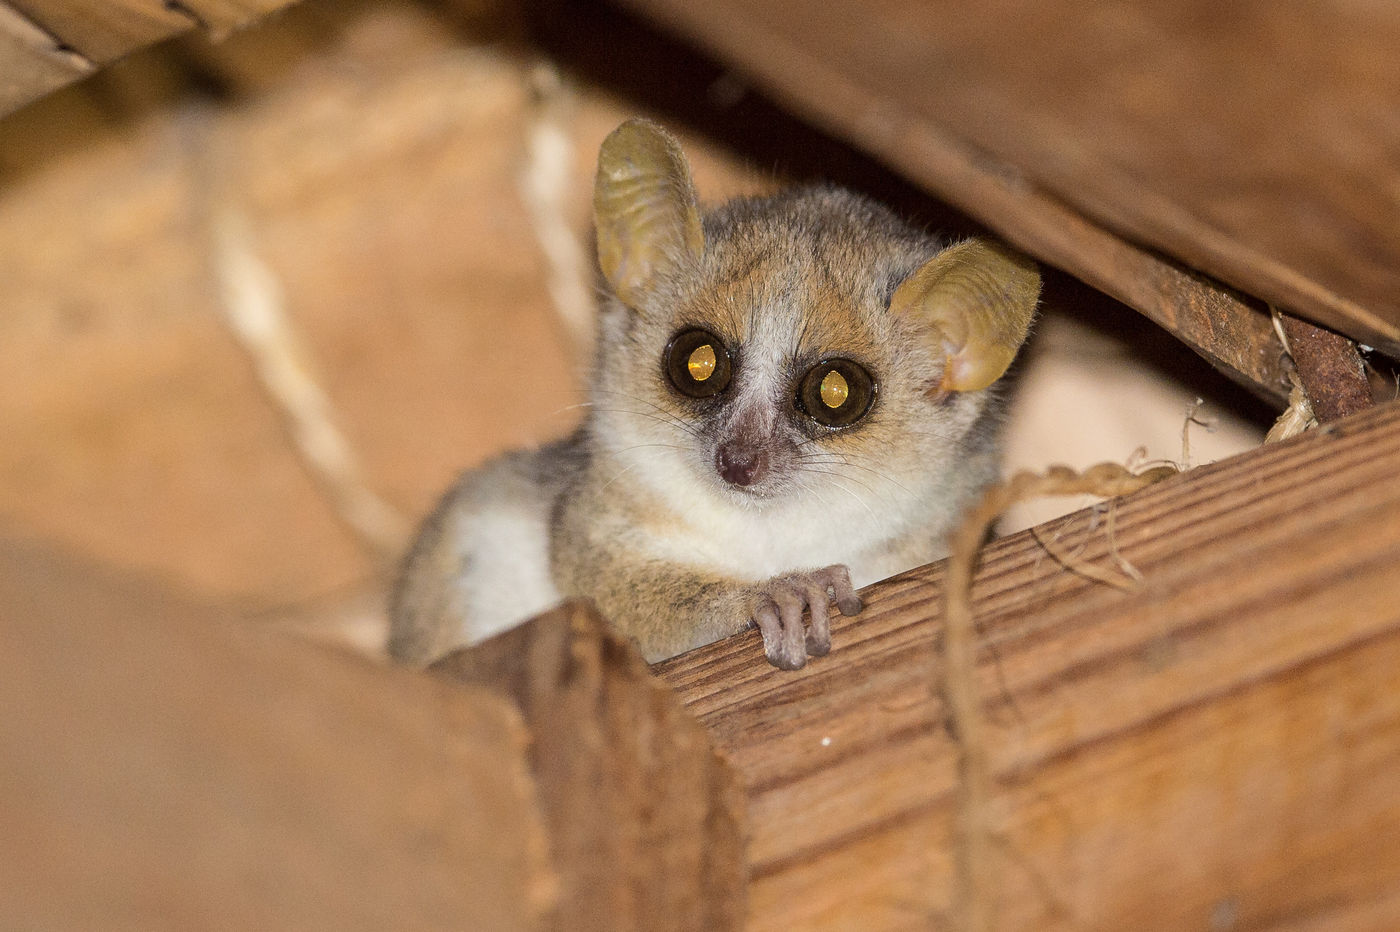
(46,44)
(644,813)
(165,771)
(1220,748)
(1250,141)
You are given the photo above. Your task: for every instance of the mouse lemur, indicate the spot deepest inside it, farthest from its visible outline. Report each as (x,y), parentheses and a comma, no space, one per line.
(790,398)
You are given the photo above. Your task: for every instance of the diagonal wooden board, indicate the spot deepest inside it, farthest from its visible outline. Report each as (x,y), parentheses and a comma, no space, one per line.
(1223,742)
(1124,143)
(45,44)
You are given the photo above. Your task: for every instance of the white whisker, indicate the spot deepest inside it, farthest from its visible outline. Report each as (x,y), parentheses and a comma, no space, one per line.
(648,447)
(859,500)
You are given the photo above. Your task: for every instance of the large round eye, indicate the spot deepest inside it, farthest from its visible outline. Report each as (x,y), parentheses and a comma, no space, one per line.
(697,363)
(836,393)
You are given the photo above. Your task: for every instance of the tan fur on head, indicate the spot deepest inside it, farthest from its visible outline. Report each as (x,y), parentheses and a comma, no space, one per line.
(680,506)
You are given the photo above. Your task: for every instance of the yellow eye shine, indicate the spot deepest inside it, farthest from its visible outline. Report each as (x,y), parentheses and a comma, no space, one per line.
(697,364)
(834,390)
(836,393)
(701,363)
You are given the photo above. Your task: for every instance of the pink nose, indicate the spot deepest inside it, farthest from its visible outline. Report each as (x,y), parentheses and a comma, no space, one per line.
(739,464)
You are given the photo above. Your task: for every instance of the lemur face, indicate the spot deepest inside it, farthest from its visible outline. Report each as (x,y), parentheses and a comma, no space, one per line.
(808,345)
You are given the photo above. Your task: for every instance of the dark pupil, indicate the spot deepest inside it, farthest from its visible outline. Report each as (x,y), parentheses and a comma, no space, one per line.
(697,363)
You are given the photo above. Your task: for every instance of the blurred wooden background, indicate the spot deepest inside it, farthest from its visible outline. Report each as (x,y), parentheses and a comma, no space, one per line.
(401,189)
(378,153)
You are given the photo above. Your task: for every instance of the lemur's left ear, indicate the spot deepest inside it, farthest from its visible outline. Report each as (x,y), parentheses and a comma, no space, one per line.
(977,299)
(644,208)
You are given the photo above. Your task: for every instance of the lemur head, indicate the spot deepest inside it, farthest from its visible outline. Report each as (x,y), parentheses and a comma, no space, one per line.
(807,340)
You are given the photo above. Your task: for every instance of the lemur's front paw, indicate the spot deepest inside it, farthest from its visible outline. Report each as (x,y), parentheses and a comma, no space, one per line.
(778,614)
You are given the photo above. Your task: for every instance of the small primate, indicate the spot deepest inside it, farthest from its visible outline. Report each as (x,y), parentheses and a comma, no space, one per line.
(790,399)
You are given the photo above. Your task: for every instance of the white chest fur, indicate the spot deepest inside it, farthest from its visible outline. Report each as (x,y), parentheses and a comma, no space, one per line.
(721,533)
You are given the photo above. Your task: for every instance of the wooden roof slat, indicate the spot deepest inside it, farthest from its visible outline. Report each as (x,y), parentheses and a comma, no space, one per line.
(644,818)
(33,61)
(1226,733)
(46,44)
(220,16)
(103,32)
(166,770)
(1255,141)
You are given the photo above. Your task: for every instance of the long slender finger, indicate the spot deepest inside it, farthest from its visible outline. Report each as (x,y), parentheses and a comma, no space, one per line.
(790,608)
(839,578)
(766,618)
(771,627)
(819,633)
(774,645)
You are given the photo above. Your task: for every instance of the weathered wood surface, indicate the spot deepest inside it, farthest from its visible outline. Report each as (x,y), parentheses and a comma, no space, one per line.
(1330,368)
(165,770)
(636,799)
(1250,140)
(1220,749)
(45,44)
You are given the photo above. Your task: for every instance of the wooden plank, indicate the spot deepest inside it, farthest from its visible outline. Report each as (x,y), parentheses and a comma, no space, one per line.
(1249,145)
(1330,368)
(46,44)
(1220,748)
(103,32)
(607,737)
(164,770)
(222,16)
(32,63)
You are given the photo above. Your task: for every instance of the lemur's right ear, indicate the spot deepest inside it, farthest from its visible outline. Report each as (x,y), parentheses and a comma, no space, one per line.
(975,300)
(644,207)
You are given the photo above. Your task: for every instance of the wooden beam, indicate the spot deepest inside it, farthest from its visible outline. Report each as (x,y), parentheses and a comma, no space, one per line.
(103,32)
(1220,748)
(637,801)
(1043,125)
(47,44)
(165,770)
(32,62)
(1330,368)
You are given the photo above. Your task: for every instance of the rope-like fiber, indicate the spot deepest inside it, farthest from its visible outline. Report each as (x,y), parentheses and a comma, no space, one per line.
(974,893)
